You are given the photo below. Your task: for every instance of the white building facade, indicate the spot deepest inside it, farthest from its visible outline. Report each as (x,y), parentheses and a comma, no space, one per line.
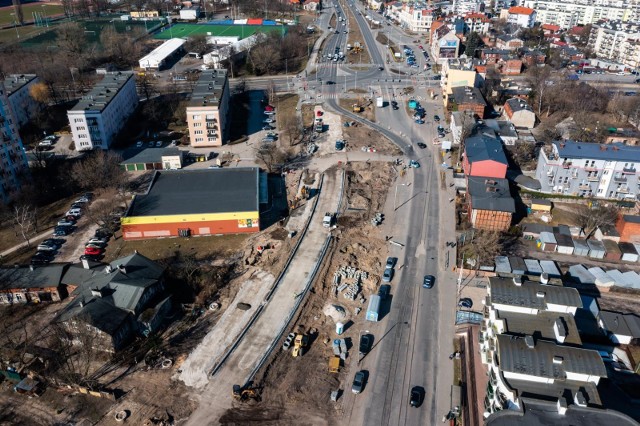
(616,41)
(523,17)
(567,14)
(416,17)
(462,7)
(101,114)
(18,88)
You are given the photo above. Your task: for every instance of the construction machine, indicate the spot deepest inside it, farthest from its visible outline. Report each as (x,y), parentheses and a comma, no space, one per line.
(357,108)
(299,345)
(242,393)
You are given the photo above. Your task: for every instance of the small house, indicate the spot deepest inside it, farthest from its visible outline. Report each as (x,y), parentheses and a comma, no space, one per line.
(602,279)
(580,247)
(581,275)
(518,267)
(541,205)
(628,227)
(596,249)
(532,230)
(533,267)
(547,242)
(565,243)
(549,267)
(612,252)
(629,252)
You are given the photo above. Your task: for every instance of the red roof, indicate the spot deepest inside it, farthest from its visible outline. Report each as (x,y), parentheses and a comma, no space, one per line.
(476,16)
(551,27)
(576,30)
(521,10)
(268,108)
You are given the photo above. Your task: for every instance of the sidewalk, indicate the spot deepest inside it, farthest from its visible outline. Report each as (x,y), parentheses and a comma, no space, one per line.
(38,237)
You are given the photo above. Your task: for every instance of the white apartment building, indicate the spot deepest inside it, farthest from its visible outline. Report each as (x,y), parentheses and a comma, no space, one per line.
(476,22)
(416,17)
(617,42)
(101,114)
(462,7)
(18,88)
(13,160)
(570,13)
(524,17)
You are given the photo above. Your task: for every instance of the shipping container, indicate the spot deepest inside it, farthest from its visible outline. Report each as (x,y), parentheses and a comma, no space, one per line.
(373,311)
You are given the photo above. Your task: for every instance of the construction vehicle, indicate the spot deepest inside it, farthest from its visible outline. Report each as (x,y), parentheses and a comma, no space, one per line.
(319,125)
(357,108)
(334,364)
(327,220)
(242,393)
(299,345)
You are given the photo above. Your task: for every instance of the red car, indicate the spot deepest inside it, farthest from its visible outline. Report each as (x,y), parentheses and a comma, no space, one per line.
(92,251)
(421,48)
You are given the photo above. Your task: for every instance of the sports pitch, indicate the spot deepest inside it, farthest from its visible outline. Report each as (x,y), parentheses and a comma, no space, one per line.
(241,31)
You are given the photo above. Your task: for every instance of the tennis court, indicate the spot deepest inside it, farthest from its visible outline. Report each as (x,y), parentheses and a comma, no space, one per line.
(241,31)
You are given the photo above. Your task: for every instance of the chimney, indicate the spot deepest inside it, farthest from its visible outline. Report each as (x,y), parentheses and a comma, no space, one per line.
(560,330)
(122,269)
(95,292)
(517,280)
(544,278)
(82,303)
(557,359)
(85,264)
(540,294)
(562,406)
(528,340)
(108,269)
(579,399)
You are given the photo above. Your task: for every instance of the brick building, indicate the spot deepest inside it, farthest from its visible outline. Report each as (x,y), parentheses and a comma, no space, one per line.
(466,99)
(628,227)
(32,284)
(491,206)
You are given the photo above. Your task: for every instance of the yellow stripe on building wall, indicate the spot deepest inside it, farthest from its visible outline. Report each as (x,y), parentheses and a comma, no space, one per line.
(189,218)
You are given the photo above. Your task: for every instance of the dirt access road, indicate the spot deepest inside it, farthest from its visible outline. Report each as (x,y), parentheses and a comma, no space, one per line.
(216,397)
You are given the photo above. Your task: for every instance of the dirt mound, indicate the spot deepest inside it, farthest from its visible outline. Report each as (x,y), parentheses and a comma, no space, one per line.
(336,312)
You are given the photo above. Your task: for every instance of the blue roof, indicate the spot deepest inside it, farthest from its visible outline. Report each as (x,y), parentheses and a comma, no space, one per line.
(594,151)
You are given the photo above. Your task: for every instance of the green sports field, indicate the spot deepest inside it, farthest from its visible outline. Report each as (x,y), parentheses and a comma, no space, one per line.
(47,10)
(242,31)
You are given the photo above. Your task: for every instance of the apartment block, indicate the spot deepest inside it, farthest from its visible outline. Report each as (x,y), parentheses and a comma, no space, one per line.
(416,16)
(568,14)
(13,160)
(476,22)
(461,7)
(459,73)
(524,17)
(96,120)
(208,110)
(590,170)
(445,45)
(23,105)
(616,41)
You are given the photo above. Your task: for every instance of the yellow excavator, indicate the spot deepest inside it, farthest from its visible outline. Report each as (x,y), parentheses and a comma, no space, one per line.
(243,393)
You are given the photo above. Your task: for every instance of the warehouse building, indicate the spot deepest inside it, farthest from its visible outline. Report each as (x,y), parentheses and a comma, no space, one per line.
(158,56)
(188,203)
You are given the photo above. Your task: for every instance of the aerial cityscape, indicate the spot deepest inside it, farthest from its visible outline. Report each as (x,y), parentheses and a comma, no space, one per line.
(320,212)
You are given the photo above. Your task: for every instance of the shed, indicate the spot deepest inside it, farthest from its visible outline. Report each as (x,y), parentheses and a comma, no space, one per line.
(152,159)
(576,231)
(619,280)
(581,275)
(532,230)
(541,205)
(533,267)
(518,266)
(565,243)
(596,249)
(612,251)
(629,252)
(580,247)
(27,386)
(549,266)
(502,265)
(602,279)
(637,247)
(547,242)
(633,278)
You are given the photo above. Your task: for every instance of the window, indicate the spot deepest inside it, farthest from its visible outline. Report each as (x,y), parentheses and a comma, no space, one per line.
(199,139)
(196,117)
(78,120)
(197,124)
(197,132)
(18,297)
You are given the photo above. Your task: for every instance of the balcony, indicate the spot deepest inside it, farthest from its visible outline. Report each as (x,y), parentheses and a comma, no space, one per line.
(622,189)
(590,168)
(620,179)
(566,164)
(551,173)
(629,170)
(584,186)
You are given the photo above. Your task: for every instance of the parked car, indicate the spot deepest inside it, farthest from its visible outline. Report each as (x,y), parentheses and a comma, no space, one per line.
(150,144)
(65,222)
(60,232)
(267,128)
(416,396)
(465,302)
(98,240)
(387,275)
(436,118)
(44,247)
(428,281)
(77,205)
(288,341)
(268,120)
(94,251)
(366,340)
(384,291)
(358,382)
(158,144)
(100,246)
(53,242)
(414,164)
(139,144)
(391,262)
(421,145)
(93,258)
(73,212)
(103,233)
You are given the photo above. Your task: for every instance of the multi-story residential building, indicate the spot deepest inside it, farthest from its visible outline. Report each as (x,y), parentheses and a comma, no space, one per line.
(476,22)
(616,41)
(484,156)
(461,7)
(524,17)
(567,14)
(590,170)
(466,99)
(100,115)
(13,160)
(459,73)
(445,45)
(416,16)
(18,88)
(208,110)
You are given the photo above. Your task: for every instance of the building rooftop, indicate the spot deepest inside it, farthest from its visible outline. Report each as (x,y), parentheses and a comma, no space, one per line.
(531,294)
(520,10)
(163,51)
(490,194)
(149,155)
(31,276)
(209,89)
(541,325)
(103,92)
(468,95)
(631,218)
(199,191)
(621,324)
(480,147)
(542,413)
(14,82)
(518,104)
(557,389)
(547,360)
(594,151)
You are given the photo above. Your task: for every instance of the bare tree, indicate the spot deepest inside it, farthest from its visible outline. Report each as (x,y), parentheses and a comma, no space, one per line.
(24,218)
(147,85)
(67,5)
(71,38)
(539,78)
(197,44)
(101,212)
(589,219)
(99,170)
(270,156)
(482,248)
(290,126)
(265,58)
(121,49)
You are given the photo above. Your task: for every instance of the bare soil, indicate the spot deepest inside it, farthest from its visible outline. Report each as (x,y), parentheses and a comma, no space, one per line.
(355,36)
(297,390)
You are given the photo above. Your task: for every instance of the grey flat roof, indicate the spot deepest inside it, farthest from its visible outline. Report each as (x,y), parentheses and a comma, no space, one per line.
(518,104)
(627,248)
(490,194)
(39,277)
(103,92)
(631,218)
(581,274)
(517,357)
(199,191)
(544,413)
(209,89)
(504,291)
(14,82)
(541,325)
(149,155)
(536,228)
(480,147)
(594,151)
(468,95)
(563,240)
(622,324)
(553,391)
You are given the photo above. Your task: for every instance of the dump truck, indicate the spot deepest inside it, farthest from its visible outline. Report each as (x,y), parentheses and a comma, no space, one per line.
(327,220)
(374,308)
(334,364)
(299,345)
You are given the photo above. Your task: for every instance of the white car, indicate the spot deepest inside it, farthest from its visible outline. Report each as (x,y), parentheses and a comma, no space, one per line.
(96,240)
(73,212)
(269,113)
(269,120)
(139,144)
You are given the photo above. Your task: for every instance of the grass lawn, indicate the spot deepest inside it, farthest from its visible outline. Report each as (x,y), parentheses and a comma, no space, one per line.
(285,107)
(242,31)
(47,10)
